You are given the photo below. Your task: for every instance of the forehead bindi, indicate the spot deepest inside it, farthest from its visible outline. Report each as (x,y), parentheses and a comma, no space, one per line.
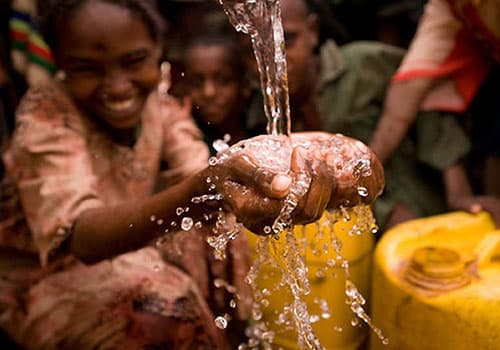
(102,27)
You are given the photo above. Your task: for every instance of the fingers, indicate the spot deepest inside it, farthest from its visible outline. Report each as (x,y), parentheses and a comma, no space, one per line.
(244,169)
(334,171)
(359,176)
(475,208)
(251,209)
(313,173)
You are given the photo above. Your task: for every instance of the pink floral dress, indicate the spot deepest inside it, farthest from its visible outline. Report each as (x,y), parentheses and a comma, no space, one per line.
(60,164)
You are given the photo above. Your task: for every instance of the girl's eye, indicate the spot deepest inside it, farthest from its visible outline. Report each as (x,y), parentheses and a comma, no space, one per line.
(135,60)
(224,79)
(82,68)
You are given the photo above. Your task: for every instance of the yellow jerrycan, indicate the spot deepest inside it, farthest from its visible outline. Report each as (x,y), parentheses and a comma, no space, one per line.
(436,284)
(333,325)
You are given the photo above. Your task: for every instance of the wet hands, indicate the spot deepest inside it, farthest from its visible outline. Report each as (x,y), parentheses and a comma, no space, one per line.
(356,171)
(257,194)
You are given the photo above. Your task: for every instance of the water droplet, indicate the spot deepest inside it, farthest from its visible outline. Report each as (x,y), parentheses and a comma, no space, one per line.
(354,322)
(320,274)
(152,218)
(385,341)
(159,222)
(186,223)
(256,314)
(314,318)
(221,322)
(331,262)
(363,191)
(220,145)
(212,161)
(131,225)
(232,303)
(219,282)
(179,211)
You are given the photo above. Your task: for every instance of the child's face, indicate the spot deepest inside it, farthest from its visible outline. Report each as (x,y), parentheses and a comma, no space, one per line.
(212,83)
(300,37)
(110,61)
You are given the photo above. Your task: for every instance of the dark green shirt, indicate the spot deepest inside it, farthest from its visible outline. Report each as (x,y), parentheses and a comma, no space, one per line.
(349,99)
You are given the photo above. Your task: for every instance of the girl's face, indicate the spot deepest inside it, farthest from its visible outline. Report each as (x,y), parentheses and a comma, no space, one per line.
(110,61)
(212,83)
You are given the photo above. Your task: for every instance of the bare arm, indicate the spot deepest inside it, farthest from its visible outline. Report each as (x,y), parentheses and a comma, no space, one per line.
(457,185)
(104,232)
(401,106)
(460,195)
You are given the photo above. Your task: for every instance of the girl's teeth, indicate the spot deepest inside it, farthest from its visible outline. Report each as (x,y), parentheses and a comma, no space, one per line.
(119,106)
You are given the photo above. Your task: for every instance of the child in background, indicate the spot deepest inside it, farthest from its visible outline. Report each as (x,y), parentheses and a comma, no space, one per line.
(342,89)
(450,57)
(103,163)
(216,82)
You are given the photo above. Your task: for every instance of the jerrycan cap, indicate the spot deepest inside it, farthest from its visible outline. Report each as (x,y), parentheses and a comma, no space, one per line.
(436,269)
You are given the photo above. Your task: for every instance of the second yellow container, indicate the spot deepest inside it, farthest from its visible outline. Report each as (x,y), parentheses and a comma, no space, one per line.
(436,284)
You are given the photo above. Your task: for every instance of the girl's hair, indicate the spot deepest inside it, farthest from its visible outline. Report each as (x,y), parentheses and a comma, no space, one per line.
(53,14)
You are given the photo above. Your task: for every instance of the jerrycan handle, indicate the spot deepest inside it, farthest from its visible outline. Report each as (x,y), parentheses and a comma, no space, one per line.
(488,249)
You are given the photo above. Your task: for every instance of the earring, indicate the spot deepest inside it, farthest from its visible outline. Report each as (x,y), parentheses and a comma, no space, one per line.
(60,75)
(165,79)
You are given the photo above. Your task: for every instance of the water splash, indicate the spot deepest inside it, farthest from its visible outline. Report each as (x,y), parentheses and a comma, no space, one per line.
(261,20)
(355,301)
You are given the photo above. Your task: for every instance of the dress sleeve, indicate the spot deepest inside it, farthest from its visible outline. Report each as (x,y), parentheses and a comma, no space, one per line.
(184,149)
(52,168)
(445,50)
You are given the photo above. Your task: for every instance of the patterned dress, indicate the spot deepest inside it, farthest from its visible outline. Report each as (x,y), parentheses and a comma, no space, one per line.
(61,163)
(456,43)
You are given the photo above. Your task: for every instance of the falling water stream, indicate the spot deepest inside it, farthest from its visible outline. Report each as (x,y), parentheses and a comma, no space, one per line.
(261,20)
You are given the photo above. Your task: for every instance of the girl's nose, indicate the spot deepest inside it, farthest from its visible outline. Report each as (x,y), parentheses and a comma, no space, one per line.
(116,84)
(209,89)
